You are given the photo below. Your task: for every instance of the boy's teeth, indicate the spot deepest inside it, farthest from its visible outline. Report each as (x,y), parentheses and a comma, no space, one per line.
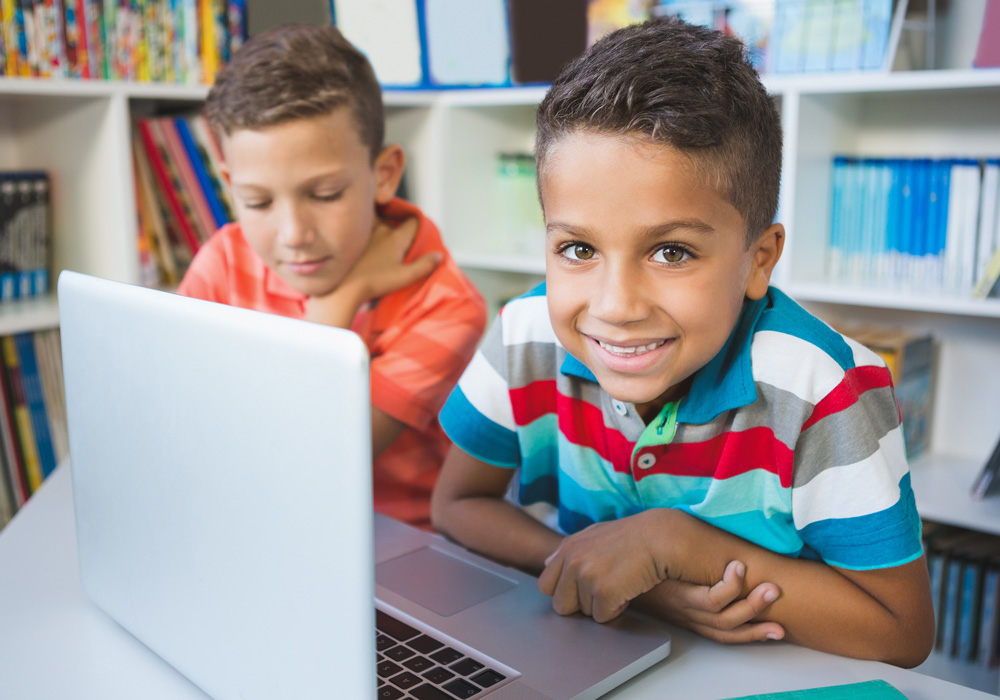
(632,350)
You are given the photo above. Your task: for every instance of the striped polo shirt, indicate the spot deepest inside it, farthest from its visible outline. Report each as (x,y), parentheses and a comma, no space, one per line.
(790,437)
(420,338)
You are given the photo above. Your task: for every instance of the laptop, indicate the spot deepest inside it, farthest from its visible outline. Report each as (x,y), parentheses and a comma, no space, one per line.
(221,467)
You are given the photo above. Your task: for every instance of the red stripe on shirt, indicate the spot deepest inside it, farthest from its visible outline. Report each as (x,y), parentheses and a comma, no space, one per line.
(723,457)
(580,422)
(856,382)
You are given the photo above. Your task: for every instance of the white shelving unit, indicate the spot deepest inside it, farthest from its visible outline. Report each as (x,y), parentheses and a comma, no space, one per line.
(79,132)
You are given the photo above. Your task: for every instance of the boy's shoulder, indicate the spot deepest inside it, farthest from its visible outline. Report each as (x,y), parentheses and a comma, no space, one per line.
(794,350)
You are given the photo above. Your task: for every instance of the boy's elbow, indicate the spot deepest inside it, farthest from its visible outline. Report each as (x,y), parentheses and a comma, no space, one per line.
(912,643)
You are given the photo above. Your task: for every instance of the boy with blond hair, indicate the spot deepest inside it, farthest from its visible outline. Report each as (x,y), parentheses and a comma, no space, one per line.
(709,451)
(320,235)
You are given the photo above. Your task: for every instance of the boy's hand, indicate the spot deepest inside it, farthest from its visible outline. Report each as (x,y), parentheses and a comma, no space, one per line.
(718,612)
(381,269)
(600,570)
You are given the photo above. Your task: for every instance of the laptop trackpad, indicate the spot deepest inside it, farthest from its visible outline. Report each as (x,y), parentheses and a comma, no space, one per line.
(439,582)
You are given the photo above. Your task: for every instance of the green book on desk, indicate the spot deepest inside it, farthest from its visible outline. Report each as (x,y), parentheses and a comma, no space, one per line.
(868,690)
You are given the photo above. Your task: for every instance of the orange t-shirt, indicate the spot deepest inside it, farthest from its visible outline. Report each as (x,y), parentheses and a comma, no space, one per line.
(420,339)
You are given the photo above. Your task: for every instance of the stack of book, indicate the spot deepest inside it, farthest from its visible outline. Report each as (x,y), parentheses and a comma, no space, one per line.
(25,234)
(33,435)
(916,223)
(181,197)
(175,41)
(964,568)
(797,36)
(910,359)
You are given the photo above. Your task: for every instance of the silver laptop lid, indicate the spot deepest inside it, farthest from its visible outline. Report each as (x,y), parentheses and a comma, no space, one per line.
(177,501)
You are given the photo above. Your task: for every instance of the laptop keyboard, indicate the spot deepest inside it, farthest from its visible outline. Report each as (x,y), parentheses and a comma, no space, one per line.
(415,665)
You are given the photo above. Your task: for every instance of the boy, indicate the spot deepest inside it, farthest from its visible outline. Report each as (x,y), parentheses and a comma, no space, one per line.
(320,236)
(689,423)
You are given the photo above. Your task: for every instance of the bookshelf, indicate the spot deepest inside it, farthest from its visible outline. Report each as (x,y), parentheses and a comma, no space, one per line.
(79,131)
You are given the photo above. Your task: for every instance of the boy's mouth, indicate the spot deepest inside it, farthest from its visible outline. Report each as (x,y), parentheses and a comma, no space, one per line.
(306,267)
(630,350)
(630,357)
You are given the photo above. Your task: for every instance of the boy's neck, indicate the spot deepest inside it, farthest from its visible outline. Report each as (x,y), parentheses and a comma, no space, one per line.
(649,411)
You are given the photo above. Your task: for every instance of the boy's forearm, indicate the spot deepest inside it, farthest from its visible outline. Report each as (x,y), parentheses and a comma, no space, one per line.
(337,309)
(882,614)
(499,530)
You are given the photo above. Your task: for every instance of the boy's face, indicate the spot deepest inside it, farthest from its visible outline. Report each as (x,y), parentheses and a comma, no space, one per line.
(647,266)
(305,193)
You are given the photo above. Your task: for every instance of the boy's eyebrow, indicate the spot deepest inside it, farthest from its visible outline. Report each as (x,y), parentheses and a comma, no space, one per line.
(653,233)
(320,177)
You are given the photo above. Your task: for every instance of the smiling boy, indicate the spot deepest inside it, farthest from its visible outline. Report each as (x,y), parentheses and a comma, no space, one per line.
(321,236)
(703,442)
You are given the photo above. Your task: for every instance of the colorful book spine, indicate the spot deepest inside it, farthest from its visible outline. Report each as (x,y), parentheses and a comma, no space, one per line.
(35,401)
(168,184)
(24,431)
(195,157)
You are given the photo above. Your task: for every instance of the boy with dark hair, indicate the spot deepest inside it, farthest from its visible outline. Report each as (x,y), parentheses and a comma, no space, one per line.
(703,442)
(321,236)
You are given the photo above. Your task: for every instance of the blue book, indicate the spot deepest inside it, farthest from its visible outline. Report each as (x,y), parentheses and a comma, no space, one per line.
(201,172)
(875,42)
(969,609)
(818,42)
(988,616)
(785,46)
(951,603)
(35,399)
(836,238)
(467,43)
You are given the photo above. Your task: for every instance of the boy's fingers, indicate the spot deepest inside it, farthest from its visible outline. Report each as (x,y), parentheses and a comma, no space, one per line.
(738,613)
(405,233)
(549,577)
(750,632)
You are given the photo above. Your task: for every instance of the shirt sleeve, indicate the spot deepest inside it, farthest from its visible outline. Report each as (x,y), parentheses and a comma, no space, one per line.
(417,361)
(478,416)
(206,276)
(851,496)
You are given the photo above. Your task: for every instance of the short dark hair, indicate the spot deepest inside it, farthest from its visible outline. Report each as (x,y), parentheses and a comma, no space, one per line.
(297,71)
(691,88)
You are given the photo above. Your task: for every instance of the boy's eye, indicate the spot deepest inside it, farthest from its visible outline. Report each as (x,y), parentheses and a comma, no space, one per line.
(671,254)
(257,204)
(327,197)
(578,251)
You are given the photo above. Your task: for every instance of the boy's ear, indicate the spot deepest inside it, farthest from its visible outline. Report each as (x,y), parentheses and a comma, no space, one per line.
(388,169)
(765,253)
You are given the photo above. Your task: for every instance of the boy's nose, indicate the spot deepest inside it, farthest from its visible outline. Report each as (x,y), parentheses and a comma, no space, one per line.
(619,296)
(295,229)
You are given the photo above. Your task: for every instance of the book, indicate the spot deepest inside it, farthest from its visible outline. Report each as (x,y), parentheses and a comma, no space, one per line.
(23,431)
(196,156)
(211,153)
(864,690)
(151,215)
(543,37)
(202,218)
(909,357)
(167,183)
(49,353)
(8,444)
(988,46)
(984,482)
(467,43)
(24,234)
(35,400)
(389,34)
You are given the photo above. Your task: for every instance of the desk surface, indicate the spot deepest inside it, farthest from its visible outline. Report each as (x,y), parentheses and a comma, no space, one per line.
(55,644)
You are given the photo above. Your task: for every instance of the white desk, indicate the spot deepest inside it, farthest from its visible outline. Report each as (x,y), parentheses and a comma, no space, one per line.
(54,644)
